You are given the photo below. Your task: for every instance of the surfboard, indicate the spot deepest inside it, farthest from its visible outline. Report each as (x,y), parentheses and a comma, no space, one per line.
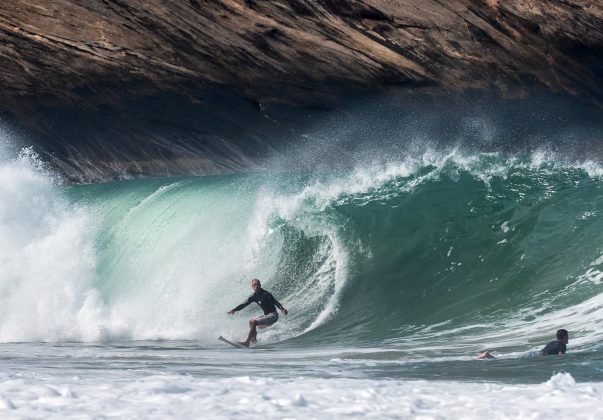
(232,343)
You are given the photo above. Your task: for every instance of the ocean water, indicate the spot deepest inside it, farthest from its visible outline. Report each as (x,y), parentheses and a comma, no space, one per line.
(395,273)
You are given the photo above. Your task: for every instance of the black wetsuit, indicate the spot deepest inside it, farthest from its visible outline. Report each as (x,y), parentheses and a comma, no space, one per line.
(554,347)
(263,298)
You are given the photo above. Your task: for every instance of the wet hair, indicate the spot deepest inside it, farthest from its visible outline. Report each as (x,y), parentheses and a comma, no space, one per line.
(561,334)
(258,280)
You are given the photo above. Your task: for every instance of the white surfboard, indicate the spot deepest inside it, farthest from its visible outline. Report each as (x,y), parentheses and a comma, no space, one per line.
(232,343)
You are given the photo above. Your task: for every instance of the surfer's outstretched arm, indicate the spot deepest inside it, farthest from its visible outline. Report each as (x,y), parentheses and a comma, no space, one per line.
(281,307)
(241,306)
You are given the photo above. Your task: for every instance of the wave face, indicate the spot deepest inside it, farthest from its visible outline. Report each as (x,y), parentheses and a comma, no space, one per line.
(438,250)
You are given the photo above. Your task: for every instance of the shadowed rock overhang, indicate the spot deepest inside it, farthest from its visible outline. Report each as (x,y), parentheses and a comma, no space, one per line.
(302,53)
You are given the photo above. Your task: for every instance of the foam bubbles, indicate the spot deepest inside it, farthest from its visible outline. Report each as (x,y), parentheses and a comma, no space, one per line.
(561,380)
(176,396)
(48,259)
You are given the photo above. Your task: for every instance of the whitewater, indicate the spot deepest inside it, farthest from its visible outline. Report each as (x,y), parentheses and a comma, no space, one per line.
(395,273)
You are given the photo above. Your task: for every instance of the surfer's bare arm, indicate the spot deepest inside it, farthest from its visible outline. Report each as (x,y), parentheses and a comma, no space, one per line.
(485,355)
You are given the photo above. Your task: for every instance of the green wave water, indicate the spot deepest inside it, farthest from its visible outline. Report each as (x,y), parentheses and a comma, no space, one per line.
(457,251)
(438,253)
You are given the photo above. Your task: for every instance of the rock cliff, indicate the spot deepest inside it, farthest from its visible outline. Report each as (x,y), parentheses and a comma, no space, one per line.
(297,51)
(90,54)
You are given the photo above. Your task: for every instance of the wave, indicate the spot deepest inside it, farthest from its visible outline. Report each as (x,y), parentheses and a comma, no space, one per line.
(438,250)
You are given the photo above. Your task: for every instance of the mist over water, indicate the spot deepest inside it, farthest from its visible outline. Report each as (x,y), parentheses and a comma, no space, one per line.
(377,129)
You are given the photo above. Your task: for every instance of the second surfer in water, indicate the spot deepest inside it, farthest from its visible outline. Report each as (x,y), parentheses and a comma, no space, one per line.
(555,347)
(268,304)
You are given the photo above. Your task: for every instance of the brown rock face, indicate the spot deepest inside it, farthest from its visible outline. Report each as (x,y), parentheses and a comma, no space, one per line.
(71,67)
(296,51)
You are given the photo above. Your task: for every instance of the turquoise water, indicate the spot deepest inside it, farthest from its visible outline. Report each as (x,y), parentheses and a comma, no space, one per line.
(393,271)
(395,274)
(441,255)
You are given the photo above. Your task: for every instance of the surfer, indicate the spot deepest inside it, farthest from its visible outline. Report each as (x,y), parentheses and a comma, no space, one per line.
(555,347)
(558,346)
(268,304)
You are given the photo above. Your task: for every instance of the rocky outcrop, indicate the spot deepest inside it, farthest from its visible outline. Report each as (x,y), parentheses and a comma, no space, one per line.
(98,55)
(295,51)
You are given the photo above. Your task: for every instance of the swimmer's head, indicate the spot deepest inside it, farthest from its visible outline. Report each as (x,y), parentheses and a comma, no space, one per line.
(562,335)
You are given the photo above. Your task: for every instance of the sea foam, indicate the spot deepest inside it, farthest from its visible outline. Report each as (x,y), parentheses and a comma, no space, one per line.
(181,396)
(48,258)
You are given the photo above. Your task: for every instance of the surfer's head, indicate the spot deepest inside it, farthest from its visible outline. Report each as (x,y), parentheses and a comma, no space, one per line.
(562,335)
(256,285)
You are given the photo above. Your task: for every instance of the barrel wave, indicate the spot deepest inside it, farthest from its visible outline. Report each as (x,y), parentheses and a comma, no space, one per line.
(438,250)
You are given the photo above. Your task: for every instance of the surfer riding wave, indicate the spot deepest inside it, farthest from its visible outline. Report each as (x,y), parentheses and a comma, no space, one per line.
(268,304)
